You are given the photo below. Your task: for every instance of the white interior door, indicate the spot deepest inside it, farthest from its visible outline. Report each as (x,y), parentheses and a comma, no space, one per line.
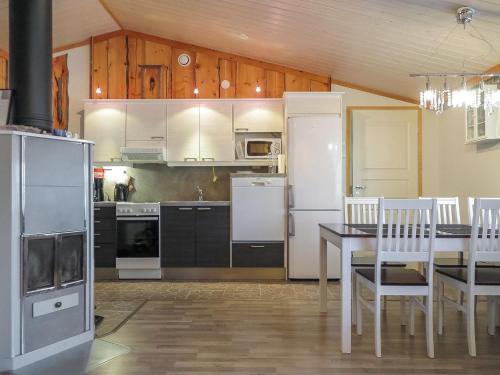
(216,132)
(385,153)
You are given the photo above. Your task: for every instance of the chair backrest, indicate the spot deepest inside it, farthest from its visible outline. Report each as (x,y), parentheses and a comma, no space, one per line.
(360,210)
(485,238)
(408,236)
(448,210)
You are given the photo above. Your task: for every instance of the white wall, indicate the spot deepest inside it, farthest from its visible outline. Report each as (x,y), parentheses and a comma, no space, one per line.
(78,84)
(430,133)
(466,169)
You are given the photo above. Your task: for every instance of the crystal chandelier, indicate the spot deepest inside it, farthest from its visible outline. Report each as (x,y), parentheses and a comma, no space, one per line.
(473,92)
(484,94)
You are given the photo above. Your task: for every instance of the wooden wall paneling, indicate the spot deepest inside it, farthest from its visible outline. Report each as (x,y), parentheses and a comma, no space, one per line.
(160,55)
(227,71)
(183,81)
(207,75)
(100,69)
(320,86)
(135,57)
(60,98)
(297,82)
(117,68)
(275,84)
(247,79)
(3,73)
(152,82)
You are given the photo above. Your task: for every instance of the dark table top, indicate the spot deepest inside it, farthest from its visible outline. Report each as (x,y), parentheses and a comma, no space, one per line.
(370,230)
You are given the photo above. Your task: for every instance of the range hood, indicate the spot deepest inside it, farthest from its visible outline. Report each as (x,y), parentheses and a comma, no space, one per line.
(144,154)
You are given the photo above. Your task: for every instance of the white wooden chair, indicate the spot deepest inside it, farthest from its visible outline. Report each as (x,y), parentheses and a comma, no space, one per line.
(363,210)
(476,281)
(407,219)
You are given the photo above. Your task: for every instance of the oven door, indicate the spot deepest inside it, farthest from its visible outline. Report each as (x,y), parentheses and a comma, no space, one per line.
(138,237)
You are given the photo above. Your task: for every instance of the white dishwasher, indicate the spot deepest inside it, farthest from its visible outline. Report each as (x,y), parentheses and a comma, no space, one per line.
(258,208)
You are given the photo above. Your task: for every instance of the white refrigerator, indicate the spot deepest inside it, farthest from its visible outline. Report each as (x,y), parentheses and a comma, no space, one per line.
(314,191)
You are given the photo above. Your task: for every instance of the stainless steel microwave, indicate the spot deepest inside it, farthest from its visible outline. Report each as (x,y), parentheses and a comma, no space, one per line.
(261,148)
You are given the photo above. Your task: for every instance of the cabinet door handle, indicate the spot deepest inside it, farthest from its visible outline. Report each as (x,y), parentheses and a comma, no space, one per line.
(97,234)
(241,129)
(97,221)
(97,209)
(97,247)
(157,137)
(185,208)
(208,159)
(204,208)
(190,159)
(58,305)
(257,246)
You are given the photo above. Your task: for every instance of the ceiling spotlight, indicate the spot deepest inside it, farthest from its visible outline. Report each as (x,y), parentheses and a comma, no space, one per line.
(258,89)
(196,92)
(98,90)
(243,36)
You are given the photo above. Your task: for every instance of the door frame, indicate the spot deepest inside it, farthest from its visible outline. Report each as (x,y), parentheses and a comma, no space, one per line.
(349,145)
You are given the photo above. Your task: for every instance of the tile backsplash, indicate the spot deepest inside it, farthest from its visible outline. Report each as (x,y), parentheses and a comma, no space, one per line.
(160,183)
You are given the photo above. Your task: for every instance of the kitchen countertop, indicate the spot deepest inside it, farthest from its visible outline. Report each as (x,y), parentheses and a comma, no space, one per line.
(174,203)
(243,174)
(196,203)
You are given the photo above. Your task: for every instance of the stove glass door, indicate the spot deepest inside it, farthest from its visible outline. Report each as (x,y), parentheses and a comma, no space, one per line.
(138,237)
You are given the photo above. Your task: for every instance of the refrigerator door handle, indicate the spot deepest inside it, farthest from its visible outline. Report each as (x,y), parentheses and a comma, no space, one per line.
(291,199)
(291,225)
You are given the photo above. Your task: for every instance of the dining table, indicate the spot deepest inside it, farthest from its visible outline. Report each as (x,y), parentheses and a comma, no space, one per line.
(349,238)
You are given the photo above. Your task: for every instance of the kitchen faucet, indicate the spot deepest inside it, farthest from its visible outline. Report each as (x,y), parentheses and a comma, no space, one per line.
(200,193)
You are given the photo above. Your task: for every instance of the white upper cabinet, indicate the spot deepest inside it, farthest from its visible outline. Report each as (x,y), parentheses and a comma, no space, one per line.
(105,125)
(146,121)
(183,132)
(216,132)
(259,116)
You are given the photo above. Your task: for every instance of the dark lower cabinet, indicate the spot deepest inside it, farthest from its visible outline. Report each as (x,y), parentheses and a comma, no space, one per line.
(105,237)
(258,254)
(179,244)
(195,236)
(212,237)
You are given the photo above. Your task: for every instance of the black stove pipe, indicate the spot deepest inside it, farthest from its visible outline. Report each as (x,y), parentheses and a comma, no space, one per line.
(30,62)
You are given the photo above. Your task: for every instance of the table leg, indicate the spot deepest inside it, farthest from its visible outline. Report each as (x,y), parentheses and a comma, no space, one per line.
(323,274)
(345,277)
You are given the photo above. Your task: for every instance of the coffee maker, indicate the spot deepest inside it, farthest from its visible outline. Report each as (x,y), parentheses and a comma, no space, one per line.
(98,184)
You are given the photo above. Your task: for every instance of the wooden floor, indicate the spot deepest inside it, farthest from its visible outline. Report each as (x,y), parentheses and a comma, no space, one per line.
(228,334)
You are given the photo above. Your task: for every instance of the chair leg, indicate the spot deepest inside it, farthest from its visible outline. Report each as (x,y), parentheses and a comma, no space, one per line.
(402,308)
(491,315)
(412,316)
(429,328)
(354,299)
(461,298)
(471,329)
(378,333)
(440,303)
(359,308)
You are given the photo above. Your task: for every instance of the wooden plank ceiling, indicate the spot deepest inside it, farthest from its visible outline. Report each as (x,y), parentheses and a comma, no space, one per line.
(73,21)
(373,43)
